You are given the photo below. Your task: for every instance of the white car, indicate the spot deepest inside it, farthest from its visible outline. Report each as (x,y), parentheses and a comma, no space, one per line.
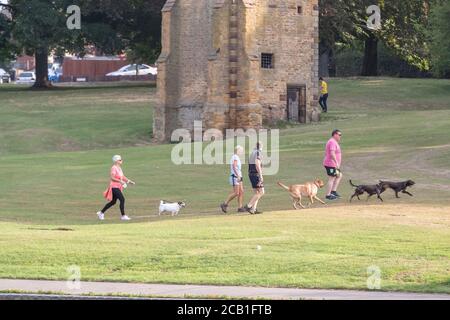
(26,78)
(130,70)
(4,76)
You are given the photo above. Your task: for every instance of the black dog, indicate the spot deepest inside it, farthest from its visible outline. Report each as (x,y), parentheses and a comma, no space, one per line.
(398,186)
(376,189)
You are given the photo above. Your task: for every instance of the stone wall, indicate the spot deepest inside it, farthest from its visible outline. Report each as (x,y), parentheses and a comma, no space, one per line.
(276,27)
(210,65)
(183,74)
(216,110)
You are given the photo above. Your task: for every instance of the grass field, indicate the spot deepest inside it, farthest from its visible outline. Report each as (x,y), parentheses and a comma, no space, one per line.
(55,150)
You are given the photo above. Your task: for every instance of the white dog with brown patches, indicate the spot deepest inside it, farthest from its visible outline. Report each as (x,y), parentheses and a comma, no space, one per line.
(173,208)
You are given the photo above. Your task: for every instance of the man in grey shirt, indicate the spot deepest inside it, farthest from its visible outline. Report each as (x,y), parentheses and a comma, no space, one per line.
(256,178)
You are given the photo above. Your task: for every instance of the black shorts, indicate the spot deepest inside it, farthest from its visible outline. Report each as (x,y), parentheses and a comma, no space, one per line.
(332,172)
(256,181)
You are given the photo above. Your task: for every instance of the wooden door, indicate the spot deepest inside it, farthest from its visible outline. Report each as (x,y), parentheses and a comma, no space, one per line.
(296,103)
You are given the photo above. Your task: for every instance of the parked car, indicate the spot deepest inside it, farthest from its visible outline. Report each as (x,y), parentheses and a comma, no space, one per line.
(130,70)
(26,78)
(5,77)
(54,75)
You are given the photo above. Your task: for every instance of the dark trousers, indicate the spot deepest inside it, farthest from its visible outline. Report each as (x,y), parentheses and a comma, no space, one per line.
(117,195)
(323,102)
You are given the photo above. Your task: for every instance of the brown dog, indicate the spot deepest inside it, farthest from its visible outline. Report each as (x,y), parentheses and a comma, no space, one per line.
(309,189)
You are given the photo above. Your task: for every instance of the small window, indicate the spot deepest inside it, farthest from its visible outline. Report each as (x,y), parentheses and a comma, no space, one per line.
(300,10)
(267,61)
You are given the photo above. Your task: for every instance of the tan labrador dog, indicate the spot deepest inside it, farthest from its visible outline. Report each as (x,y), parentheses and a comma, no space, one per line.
(309,189)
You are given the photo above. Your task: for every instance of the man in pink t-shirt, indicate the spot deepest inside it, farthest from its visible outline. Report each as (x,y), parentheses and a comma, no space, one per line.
(332,164)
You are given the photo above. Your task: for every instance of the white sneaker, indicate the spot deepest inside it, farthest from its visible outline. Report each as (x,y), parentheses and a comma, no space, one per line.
(125,218)
(101,215)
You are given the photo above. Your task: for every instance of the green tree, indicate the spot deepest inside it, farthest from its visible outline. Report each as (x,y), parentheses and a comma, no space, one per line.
(7,48)
(144,30)
(401,29)
(438,32)
(133,27)
(335,27)
(39,27)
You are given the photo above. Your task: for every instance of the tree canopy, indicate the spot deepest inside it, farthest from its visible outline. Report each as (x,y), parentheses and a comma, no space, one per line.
(415,30)
(38,27)
(344,21)
(438,32)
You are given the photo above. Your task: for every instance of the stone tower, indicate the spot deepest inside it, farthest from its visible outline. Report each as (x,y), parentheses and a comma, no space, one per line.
(237,64)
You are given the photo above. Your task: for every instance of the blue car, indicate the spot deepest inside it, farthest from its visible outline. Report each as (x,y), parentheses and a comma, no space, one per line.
(54,77)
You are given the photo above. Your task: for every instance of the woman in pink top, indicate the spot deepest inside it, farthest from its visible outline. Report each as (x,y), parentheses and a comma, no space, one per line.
(332,164)
(115,190)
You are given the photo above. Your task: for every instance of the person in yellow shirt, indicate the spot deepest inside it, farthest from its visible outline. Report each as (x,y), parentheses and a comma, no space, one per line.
(323,95)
